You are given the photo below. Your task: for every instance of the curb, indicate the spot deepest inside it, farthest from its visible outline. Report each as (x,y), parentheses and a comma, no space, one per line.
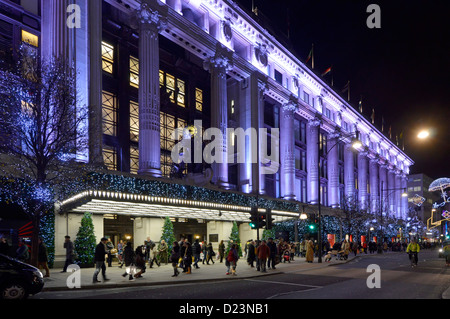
(189,281)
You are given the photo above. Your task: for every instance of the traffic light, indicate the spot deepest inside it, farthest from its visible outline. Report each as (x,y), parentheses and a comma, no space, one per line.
(269,219)
(254,218)
(262,222)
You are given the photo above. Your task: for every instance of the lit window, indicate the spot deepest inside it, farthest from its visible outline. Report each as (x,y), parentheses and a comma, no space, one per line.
(107,57)
(134,72)
(30,38)
(199,100)
(134,121)
(232,107)
(175,88)
(109,113)
(134,160)
(110,157)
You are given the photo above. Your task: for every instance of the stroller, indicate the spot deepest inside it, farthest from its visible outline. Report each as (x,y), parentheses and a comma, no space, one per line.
(287,256)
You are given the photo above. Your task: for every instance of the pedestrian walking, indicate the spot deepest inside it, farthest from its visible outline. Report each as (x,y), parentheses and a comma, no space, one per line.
(221,251)
(204,248)
(163,252)
(129,259)
(110,250)
(251,254)
(22,252)
(175,257)
(187,257)
(446,250)
(210,253)
(196,251)
(309,251)
(153,255)
(140,261)
(4,246)
(273,254)
(43,257)
(68,245)
(99,259)
(120,248)
(263,252)
(232,259)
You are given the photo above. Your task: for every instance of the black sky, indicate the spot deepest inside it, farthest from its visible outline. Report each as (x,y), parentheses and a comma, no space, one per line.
(401,70)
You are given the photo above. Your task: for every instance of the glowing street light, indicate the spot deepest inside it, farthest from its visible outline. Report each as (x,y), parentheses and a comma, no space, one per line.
(423,134)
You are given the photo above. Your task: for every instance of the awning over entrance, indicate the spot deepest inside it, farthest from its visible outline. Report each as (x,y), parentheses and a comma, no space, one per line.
(106,202)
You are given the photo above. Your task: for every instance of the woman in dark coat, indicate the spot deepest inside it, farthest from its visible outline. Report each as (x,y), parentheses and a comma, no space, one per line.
(187,257)
(210,253)
(129,258)
(175,257)
(140,261)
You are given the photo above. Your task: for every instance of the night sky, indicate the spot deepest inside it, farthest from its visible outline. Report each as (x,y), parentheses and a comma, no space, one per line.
(401,70)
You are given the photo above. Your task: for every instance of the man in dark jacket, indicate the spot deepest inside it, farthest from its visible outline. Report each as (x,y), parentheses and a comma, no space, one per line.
(196,251)
(99,259)
(68,245)
(273,253)
(43,257)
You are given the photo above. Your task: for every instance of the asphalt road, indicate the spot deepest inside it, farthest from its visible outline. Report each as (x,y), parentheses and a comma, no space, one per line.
(397,280)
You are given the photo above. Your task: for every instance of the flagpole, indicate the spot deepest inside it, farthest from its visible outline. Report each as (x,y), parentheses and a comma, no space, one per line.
(313,56)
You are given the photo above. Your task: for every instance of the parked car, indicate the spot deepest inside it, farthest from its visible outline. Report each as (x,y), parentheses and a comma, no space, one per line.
(18,280)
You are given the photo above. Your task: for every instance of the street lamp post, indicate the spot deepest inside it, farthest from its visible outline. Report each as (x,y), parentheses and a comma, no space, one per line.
(404,194)
(356,145)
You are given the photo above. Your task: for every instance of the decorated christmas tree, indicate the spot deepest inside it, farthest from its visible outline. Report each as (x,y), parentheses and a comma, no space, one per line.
(234,239)
(85,242)
(167,233)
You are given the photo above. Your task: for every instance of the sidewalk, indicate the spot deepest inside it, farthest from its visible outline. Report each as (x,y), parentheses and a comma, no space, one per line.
(163,275)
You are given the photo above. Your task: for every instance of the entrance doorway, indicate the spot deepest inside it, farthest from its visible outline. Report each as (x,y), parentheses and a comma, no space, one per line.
(191,229)
(118,227)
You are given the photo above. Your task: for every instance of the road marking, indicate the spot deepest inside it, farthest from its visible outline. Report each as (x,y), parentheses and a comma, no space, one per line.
(283,283)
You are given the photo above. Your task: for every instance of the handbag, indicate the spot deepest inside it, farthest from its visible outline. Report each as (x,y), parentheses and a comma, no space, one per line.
(113,251)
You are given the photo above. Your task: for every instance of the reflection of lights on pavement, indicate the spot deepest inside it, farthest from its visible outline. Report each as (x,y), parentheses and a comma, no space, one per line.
(423,135)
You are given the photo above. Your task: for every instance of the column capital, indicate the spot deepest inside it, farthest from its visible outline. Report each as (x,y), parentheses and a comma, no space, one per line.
(149,16)
(316,121)
(290,106)
(222,60)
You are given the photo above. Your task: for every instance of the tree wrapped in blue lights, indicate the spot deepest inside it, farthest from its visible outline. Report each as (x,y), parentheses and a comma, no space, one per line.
(41,131)
(167,232)
(85,243)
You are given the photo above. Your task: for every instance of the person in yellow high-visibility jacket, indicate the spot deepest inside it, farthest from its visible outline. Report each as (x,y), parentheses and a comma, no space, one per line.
(413,251)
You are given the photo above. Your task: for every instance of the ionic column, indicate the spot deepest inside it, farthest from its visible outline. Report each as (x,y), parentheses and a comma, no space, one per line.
(384,187)
(398,195)
(287,150)
(312,164)
(218,67)
(362,180)
(333,170)
(404,199)
(374,186)
(349,175)
(150,23)
(391,194)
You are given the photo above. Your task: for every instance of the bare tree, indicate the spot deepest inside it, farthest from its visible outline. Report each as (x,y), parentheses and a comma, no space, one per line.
(41,130)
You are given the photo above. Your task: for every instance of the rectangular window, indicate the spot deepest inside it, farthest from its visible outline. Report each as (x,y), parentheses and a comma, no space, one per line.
(278,77)
(134,72)
(107,57)
(110,157)
(175,88)
(109,113)
(134,121)
(30,38)
(199,100)
(134,160)
(306,97)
